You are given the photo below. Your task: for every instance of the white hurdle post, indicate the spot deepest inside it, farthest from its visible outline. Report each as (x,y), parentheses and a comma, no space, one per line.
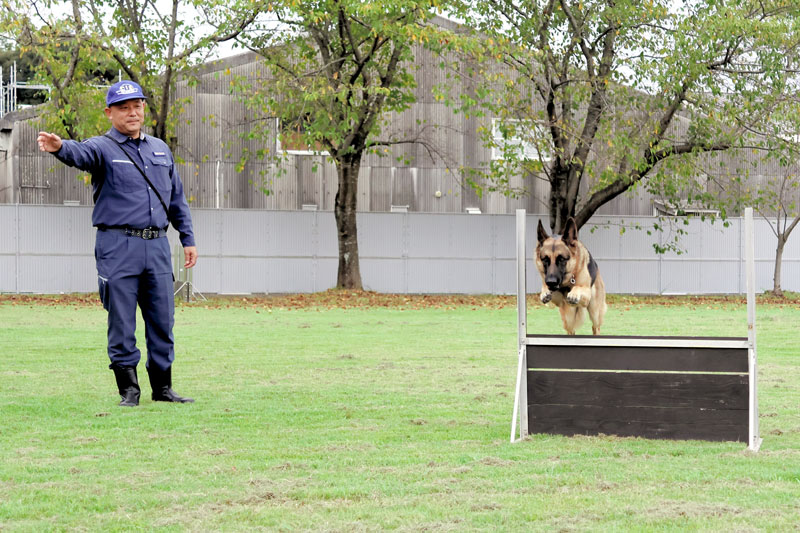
(521,391)
(754,440)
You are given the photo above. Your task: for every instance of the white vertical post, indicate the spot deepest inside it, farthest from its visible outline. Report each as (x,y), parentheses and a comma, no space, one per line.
(12,106)
(521,391)
(754,440)
(17,246)
(522,310)
(517,397)
(216,185)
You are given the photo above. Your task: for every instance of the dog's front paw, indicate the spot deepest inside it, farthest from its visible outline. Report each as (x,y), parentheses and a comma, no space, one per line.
(573,299)
(546,296)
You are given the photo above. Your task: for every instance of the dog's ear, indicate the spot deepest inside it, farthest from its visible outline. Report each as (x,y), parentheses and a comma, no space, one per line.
(570,232)
(541,233)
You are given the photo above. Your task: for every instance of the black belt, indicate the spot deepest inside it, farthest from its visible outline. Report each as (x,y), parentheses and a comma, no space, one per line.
(144,233)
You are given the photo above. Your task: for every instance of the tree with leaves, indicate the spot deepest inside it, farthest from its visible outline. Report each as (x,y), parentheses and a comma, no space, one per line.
(618,94)
(770,183)
(62,59)
(334,70)
(763,172)
(781,202)
(145,42)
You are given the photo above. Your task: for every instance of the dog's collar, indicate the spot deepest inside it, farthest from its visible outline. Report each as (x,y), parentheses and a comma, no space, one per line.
(591,267)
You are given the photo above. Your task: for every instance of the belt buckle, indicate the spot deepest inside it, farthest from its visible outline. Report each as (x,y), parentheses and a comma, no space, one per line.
(148,234)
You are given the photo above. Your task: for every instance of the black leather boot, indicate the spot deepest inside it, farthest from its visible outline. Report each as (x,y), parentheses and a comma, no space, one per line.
(161,381)
(128,385)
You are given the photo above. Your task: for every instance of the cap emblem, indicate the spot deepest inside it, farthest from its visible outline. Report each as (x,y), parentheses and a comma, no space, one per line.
(127,88)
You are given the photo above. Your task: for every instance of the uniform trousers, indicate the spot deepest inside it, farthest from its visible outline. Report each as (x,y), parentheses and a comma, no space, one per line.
(133,271)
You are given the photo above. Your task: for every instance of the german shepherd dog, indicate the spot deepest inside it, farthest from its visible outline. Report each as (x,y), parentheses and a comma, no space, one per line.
(570,279)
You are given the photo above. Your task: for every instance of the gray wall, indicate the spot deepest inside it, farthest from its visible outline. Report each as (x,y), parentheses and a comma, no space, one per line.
(49,249)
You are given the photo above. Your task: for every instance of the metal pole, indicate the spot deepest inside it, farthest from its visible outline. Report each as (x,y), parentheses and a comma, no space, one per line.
(13,86)
(660,265)
(522,286)
(216,183)
(521,392)
(16,245)
(742,259)
(754,440)
(517,396)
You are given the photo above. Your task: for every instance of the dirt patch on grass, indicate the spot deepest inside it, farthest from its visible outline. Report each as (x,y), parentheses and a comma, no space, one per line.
(670,510)
(349,299)
(352,299)
(52,300)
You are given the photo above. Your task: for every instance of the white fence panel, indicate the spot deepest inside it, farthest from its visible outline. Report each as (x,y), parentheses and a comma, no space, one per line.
(50,249)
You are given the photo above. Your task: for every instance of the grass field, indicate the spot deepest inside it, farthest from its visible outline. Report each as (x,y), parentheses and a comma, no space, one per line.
(330,413)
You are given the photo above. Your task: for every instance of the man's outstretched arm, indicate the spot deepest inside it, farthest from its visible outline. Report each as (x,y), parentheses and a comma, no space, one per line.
(82,155)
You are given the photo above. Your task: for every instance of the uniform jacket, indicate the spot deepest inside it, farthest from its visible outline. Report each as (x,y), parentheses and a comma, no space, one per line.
(125,198)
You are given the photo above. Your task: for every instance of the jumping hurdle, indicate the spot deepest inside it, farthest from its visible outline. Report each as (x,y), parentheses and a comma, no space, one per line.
(653,387)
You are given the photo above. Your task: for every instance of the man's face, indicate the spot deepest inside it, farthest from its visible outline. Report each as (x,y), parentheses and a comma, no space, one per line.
(127,117)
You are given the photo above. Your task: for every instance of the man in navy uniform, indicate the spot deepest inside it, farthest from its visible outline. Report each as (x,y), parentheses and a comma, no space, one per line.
(137,194)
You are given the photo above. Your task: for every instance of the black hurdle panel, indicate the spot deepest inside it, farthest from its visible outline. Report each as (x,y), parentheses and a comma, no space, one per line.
(666,392)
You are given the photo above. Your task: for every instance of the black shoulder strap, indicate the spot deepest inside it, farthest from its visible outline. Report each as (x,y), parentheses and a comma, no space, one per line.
(153,187)
(96,193)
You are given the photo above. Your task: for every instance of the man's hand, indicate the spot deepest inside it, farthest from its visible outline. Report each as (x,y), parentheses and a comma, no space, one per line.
(190,252)
(48,142)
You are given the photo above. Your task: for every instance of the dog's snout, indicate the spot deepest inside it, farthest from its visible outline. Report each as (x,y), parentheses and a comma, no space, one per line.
(552,282)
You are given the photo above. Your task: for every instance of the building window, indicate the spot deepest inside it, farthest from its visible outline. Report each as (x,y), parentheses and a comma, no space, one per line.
(661,209)
(523,138)
(290,138)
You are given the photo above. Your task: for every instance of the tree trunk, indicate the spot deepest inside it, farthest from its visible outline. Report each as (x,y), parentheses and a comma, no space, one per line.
(559,210)
(349,274)
(776,279)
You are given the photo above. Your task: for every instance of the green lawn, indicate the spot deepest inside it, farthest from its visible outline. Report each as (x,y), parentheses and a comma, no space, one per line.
(366,419)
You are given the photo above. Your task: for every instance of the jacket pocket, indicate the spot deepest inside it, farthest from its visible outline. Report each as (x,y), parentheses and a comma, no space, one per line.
(126,177)
(159,173)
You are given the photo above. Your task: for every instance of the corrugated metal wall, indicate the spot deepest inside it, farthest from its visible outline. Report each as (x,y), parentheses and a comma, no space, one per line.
(211,134)
(49,249)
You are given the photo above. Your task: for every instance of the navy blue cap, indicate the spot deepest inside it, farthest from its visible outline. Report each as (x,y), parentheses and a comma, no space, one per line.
(124,90)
